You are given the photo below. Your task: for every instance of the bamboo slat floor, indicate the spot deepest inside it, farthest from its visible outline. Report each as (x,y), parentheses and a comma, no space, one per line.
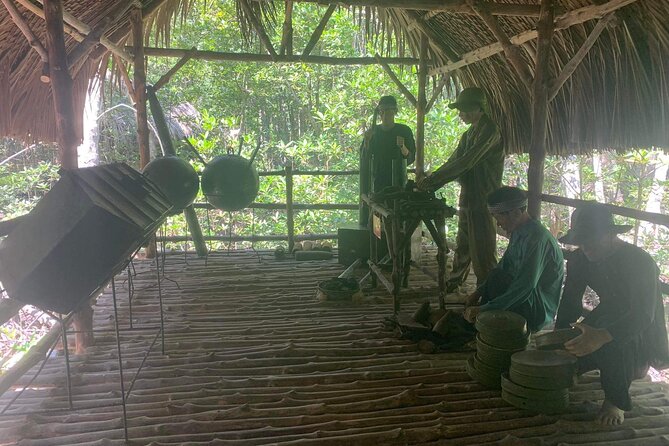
(252,358)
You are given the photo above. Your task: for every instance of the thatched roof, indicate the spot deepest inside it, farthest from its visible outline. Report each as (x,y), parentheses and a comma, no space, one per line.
(616,98)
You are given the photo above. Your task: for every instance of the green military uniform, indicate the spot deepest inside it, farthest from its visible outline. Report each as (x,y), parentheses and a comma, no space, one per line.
(528,279)
(477,164)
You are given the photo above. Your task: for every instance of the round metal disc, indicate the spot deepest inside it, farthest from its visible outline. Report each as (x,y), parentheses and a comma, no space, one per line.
(548,363)
(540,406)
(541,382)
(554,340)
(501,323)
(483,378)
(505,342)
(528,392)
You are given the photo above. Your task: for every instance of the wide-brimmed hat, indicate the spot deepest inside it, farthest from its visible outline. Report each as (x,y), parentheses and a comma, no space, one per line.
(469,100)
(591,221)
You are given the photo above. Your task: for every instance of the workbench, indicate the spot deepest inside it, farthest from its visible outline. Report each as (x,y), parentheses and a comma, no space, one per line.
(398,215)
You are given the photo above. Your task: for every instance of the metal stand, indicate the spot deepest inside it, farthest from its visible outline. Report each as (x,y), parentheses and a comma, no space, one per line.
(399,227)
(117,330)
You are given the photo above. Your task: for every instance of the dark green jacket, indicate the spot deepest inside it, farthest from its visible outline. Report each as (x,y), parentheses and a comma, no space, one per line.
(477,164)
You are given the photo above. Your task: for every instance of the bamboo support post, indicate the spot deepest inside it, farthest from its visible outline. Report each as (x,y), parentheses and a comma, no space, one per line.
(139,98)
(290,217)
(139,87)
(195,231)
(405,91)
(421,108)
(287,31)
(319,30)
(540,89)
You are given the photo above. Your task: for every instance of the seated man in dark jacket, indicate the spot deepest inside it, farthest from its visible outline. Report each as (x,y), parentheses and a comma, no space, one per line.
(626,332)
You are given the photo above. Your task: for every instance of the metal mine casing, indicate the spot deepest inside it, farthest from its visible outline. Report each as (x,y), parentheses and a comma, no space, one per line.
(230,182)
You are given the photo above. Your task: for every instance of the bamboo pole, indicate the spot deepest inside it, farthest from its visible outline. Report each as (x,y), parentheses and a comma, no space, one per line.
(138,92)
(566,20)
(76,28)
(165,78)
(421,108)
(318,31)
(287,32)
(139,87)
(405,91)
(290,218)
(540,87)
(652,217)
(451,6)
(61,84)
(250,238)
(36,353)
(250,57)
(511,51)
(18,20)
(571,66)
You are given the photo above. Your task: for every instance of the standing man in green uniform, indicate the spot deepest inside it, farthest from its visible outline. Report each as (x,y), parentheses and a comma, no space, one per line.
(477,164)
(528,279)
(391,146)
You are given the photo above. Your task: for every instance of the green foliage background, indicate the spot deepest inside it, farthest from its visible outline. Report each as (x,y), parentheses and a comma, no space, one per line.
(307,116)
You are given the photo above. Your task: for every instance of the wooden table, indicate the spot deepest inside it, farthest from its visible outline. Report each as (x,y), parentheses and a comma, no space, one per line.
(400,216)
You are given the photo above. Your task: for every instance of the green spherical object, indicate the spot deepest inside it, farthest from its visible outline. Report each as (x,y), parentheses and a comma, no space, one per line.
(176,178)
(230,182)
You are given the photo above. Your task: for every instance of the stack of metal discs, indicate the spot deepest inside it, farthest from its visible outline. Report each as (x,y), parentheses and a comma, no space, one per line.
(539,380)
(500,335)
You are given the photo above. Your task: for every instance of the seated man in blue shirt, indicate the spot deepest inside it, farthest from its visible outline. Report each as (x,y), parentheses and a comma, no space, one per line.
(528,278)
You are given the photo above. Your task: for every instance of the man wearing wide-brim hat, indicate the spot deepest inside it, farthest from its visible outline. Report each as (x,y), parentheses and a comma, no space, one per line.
(477,164)
(626,332)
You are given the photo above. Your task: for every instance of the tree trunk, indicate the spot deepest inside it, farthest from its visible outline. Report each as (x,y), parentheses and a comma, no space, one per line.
(599,182)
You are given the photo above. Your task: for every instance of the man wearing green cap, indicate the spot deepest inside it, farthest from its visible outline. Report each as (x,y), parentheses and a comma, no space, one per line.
(477,164)
(625,333)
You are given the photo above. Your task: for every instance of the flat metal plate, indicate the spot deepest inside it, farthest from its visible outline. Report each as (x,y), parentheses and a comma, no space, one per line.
(490,381)
(554,340)
(530,393)
(549,363)
(501,323)
(539,406)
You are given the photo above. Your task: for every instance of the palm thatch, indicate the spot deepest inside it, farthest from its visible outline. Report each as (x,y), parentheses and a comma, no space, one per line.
(615,99)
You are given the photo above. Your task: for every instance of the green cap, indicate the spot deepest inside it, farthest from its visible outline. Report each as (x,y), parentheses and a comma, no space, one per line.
(469,100)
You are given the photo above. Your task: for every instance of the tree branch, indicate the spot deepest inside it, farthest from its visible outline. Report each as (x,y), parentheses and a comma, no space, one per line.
(407,94)
(319,30)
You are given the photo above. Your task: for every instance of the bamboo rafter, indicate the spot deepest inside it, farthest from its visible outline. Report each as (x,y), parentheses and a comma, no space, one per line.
(319,30)
(451,6)
(18,20)
(564,21)
(76,28)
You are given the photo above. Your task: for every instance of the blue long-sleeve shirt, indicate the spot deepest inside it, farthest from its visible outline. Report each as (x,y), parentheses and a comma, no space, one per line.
(533,262)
